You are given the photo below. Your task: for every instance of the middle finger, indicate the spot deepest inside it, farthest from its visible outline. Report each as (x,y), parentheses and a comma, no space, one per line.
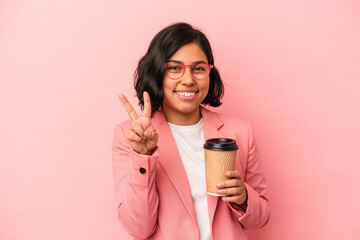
(229,183)
(230,191)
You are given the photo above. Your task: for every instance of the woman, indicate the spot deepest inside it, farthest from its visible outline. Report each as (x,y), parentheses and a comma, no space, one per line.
(158,157)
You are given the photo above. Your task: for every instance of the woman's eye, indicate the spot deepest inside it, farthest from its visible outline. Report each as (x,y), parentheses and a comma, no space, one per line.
(174,68)
(198,69)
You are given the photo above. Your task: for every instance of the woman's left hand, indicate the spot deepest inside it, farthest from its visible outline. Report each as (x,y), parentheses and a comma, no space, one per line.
(234,189)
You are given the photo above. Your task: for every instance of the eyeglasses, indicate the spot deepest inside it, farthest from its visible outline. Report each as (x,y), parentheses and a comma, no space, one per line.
(199,70)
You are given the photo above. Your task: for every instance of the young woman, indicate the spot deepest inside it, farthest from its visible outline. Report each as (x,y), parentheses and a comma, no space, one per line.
(158,157)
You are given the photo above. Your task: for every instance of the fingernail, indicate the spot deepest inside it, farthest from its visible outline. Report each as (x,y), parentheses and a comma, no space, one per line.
(220,191)
(218,185)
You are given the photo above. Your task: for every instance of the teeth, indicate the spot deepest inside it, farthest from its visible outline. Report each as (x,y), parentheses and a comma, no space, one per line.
(186,94)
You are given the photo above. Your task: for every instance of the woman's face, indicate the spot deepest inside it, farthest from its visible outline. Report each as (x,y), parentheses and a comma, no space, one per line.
(184,95)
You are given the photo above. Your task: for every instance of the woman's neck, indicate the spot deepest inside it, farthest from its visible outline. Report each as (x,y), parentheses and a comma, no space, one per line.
(182,119)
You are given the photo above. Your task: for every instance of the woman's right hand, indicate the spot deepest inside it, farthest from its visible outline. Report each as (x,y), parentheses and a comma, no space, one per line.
(142,136)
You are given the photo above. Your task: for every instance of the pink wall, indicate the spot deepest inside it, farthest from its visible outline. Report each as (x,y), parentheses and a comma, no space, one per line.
(290,67)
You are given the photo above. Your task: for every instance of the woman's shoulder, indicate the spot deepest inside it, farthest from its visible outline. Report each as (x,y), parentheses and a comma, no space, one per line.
(228,119)
(122,127)
(231,125)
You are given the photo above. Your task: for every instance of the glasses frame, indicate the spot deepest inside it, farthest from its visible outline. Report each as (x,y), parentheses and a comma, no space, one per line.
(190,66)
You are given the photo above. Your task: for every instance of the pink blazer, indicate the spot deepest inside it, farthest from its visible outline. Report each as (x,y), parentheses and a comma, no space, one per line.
(153,193)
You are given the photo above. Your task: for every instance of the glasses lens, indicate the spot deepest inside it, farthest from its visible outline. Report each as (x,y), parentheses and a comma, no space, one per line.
(200,70)
(174,70)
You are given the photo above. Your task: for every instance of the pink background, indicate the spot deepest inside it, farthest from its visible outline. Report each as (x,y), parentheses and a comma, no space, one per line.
(290,67)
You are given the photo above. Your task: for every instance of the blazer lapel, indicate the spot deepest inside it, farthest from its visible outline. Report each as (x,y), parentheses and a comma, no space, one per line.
(171,162)
(212,125)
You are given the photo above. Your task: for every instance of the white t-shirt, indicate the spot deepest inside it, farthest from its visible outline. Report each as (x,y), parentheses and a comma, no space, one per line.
(189,141)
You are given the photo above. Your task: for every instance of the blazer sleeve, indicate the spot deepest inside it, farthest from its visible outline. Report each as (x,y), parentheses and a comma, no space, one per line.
(257,213)
(135,189)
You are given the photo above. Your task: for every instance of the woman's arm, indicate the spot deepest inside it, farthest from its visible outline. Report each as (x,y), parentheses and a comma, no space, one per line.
(257,212)
(135,187)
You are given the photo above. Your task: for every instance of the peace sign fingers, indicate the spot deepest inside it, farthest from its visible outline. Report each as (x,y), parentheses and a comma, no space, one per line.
(129,108)
(142,136)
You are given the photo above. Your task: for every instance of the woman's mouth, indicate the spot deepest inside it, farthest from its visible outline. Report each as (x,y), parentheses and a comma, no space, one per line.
(186,94)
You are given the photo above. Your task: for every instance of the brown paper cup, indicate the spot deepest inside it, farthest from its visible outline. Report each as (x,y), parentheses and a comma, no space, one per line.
(220,156)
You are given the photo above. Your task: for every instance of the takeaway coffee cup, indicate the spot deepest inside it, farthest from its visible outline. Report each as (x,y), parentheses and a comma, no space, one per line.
(220,156)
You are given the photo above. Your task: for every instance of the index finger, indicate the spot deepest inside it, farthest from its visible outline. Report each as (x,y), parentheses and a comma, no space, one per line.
(130,110)
(233,174)
(147,105)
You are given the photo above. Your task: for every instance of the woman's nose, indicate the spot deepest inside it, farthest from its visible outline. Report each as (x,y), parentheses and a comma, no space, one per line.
(188,78)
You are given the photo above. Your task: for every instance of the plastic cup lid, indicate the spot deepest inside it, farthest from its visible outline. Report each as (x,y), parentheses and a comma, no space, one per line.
(221,144)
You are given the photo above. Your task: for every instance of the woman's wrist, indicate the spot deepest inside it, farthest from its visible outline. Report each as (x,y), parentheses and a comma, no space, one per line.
(244,204)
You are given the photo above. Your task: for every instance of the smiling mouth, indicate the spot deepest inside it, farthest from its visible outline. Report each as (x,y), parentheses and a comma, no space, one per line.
(186,94)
